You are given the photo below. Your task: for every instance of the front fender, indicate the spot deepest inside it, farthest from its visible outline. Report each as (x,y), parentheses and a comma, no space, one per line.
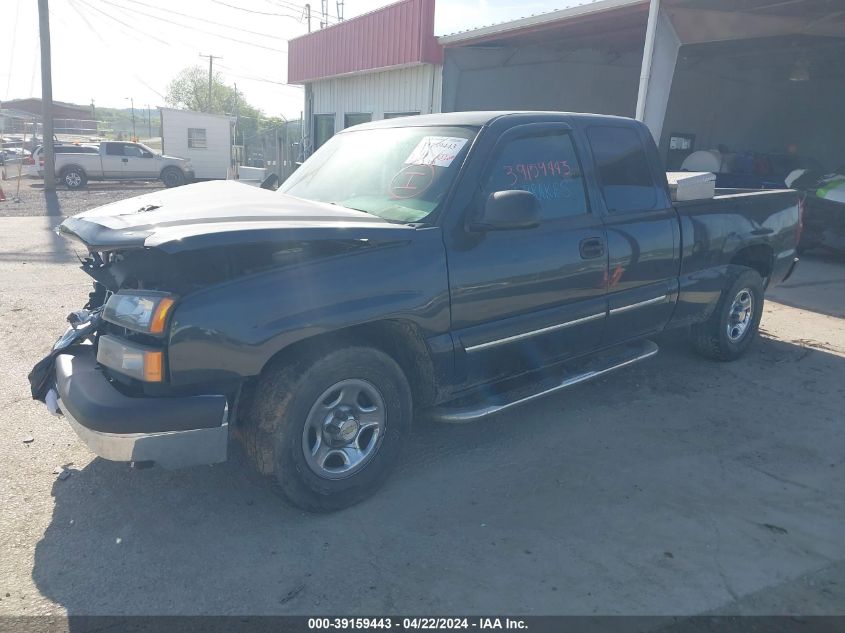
(231,330)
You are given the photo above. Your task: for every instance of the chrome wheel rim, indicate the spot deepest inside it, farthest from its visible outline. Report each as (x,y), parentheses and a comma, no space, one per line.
(73,179)
(344,429)
(741,315)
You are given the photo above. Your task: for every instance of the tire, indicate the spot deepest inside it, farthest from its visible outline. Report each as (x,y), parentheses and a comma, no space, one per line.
(74,178)
(740,307)
(172,177)
(302,422)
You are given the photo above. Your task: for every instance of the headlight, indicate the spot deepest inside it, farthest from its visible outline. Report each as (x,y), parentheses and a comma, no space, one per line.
(142,311)
(138,361)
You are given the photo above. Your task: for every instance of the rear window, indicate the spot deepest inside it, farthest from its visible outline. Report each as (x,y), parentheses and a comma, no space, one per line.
(623,169)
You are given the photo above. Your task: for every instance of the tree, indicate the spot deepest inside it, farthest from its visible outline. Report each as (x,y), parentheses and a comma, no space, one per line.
(189,89)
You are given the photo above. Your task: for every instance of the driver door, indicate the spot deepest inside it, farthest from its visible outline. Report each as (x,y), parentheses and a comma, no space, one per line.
(526,298)
(138,163)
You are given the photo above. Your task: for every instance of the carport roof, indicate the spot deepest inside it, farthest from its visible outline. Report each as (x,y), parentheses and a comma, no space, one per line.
(583,17)
(625,21)
(811,9)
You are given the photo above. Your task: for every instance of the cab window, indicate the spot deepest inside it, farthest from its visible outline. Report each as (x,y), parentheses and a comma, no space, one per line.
(545,165)
(133,150)
(623,169)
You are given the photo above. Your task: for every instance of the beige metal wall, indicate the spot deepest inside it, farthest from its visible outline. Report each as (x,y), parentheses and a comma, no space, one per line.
(411,89)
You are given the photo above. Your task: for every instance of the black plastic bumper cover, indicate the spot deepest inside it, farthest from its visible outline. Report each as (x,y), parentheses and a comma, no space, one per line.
(90,399)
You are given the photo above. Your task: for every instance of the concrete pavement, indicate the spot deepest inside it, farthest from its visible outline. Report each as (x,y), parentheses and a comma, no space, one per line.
(678,486)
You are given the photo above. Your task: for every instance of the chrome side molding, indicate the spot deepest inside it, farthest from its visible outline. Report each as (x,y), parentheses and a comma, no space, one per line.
(524,335)
(634,353)
(639,304)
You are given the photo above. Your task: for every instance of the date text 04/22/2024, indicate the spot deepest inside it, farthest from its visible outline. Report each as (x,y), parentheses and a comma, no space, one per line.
(417,623)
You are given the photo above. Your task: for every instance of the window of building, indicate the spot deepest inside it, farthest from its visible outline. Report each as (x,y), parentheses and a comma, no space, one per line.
(548,167)
(323,129)
(356,118)
(623,169)
(396,115)
(197,138)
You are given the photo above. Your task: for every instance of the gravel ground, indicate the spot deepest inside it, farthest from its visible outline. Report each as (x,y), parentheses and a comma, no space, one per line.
(677,486)
(33,201)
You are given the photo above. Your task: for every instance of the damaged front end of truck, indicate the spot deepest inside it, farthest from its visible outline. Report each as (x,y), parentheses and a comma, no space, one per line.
(109,375)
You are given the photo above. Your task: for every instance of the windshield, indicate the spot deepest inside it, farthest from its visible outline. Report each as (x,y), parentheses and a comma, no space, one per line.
(399,174)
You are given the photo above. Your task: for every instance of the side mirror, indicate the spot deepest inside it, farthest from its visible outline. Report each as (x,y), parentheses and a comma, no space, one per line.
(508,210)
(270,182)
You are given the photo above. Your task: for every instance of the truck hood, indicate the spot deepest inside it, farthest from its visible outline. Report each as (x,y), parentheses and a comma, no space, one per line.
(218,213)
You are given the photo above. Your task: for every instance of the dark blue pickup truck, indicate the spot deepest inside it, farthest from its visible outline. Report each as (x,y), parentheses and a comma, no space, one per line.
(449,265)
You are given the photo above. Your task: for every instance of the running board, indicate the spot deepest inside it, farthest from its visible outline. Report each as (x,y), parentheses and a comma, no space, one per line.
(512,392)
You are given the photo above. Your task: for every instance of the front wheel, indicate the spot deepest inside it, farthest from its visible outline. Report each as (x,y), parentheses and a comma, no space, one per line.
(173,177)
(330,428)
(729,331)
(74,178)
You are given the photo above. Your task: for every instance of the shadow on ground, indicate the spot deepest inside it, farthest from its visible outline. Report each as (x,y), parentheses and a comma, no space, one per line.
(676,486)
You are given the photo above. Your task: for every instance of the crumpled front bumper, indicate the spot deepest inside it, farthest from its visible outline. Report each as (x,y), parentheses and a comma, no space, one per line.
(173,432)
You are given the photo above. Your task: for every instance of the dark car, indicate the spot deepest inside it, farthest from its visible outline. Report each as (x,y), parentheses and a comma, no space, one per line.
(450,265)
(824,203)
(747,170)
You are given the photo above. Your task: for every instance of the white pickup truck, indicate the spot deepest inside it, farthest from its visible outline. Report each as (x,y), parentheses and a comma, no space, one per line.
(122,161)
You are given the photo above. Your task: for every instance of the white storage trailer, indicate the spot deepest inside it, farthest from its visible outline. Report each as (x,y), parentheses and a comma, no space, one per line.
(204,138)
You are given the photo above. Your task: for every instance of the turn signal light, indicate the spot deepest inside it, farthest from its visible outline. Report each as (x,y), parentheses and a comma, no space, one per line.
(137,361)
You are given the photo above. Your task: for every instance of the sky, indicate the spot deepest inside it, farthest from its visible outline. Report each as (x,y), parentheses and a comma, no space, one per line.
(111,51)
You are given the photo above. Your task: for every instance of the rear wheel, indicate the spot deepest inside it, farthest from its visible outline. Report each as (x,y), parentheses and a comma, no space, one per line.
(330,428)
(74,178)
(729,331)
(173,177)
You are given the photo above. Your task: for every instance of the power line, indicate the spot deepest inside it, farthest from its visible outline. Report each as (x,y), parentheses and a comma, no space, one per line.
(193,17)
(234,72)
(290,5)
(100,37)
(12,54)
(232,6)
(128,26)
(188,26)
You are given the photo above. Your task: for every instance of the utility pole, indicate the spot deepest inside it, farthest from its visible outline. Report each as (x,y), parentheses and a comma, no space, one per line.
(46,97)
(211,59)
(132,102)
(324,11)
(308,16)
(237,112)
(149,123)
(339,4)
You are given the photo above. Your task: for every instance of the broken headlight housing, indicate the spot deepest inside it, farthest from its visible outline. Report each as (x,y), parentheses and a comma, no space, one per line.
(140,310)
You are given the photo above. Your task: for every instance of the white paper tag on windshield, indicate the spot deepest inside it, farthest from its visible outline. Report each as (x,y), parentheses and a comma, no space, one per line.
(439,151)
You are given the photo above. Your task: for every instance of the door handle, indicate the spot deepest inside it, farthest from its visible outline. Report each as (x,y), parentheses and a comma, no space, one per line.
(591,248)
(125,160)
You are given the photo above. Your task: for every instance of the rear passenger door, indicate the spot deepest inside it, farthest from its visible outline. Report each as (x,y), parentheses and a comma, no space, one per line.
(525,298)
(643,234)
